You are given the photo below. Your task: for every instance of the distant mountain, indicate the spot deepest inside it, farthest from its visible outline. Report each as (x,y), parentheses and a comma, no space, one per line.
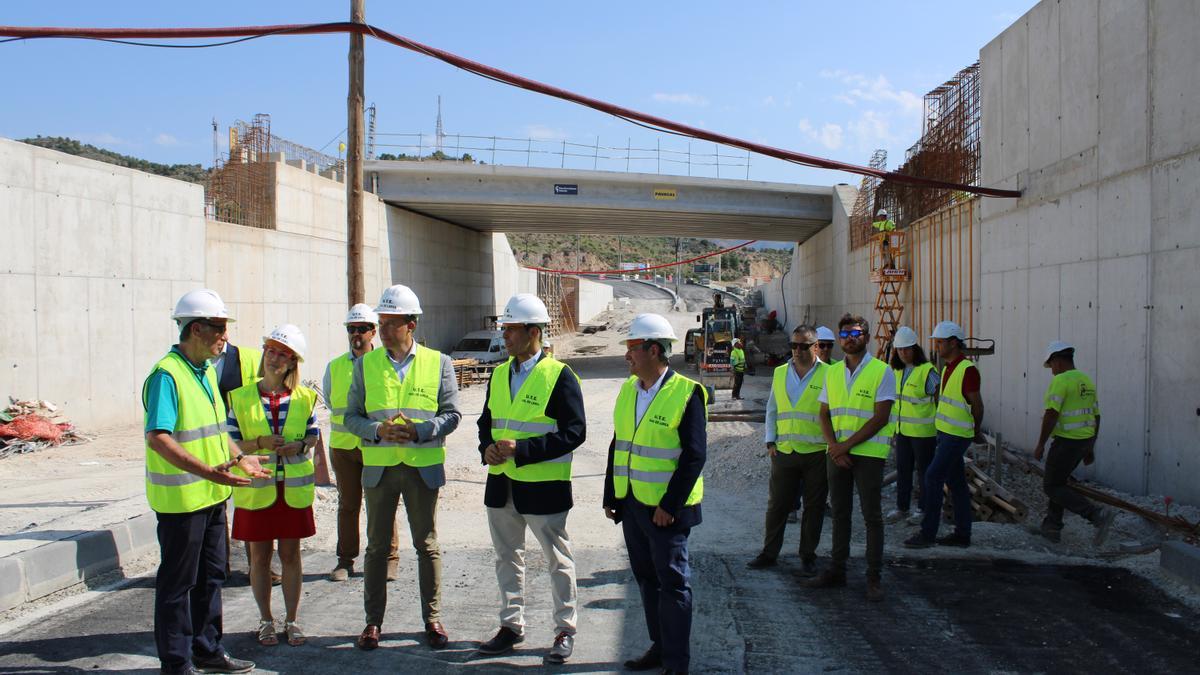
(192,173)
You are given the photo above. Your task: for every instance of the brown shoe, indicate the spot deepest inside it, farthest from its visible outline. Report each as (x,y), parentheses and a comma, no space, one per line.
(393,570)
(436,636)
(276,578)
(369,639)
(827,579)
(874,590)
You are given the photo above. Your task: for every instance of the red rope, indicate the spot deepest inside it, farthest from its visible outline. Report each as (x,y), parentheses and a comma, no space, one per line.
(501,76)
(643,269)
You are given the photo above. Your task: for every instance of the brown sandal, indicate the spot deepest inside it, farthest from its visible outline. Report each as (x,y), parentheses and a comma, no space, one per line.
(295,636)
(267,636)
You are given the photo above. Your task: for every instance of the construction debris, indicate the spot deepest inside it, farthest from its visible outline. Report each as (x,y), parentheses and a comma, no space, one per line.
(990,502)
(28,426)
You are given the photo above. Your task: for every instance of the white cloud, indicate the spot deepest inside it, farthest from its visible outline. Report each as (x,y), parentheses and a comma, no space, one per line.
(681,99)
(165,139)
(768,101)
(829,135)
(541,132)
(865,89)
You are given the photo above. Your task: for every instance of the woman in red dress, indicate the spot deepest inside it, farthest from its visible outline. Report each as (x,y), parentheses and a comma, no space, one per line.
(274,417)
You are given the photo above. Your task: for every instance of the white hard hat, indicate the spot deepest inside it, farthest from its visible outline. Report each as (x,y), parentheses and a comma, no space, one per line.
(361,313)
(881,212)
(289,336)
(904,337)
(823,333)
(1055,347)
(203,303)
(524,308)
(398,299)
(948,329)
(650,327)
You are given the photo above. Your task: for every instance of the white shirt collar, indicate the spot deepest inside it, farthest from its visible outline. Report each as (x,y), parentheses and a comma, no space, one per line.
(657,384)
(528,364)
(866,357)
(412,350)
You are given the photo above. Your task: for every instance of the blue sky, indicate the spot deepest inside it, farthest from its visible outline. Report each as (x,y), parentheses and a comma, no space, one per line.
(805,76)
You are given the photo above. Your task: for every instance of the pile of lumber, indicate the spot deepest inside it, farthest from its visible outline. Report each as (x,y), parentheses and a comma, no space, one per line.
(990,502)
(471,371)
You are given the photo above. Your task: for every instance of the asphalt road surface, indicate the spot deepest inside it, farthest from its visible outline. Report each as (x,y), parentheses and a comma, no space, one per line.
(634,289)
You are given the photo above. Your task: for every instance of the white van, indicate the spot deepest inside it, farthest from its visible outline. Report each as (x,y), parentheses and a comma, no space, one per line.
(485,346)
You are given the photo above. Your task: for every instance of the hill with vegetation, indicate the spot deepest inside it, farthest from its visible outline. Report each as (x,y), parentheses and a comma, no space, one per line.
(192,173)
(596,252)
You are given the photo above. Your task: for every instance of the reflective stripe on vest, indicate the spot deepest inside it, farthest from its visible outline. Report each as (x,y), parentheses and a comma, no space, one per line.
(797,427)
(646,455)
(953,412)
(199,430)
(298,470)
(850,410)
(523,415)
(341,373)
(416,397)
(914,410)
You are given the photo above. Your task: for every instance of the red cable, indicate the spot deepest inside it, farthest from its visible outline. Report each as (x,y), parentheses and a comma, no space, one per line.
(502,76)
(642,269)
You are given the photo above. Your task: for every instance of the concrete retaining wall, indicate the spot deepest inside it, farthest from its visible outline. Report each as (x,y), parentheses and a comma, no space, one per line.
(593,298)
(96,255)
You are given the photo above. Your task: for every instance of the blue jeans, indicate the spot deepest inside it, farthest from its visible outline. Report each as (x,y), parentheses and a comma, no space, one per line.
(947,469)
(912,453)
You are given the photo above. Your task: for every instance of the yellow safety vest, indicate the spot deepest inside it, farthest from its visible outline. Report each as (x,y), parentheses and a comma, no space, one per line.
(737,358)
(524,416)
(200,430)
(884,225)
(797,427)
(299,478)
(953,412)
(1073,395)
(850,410)
(416,397)
(249,360)
(914,410)
(647,454)
(341,372)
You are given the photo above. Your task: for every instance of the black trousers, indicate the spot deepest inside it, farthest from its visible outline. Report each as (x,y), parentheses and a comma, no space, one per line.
(1064,456)
(187,588)
(738,376)
(658,557)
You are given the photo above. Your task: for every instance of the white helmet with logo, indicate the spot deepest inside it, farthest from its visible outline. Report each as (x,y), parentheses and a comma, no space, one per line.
(398,299)
(524,309)
(651,327)
(948,329)
(289,336)
(904,337)
(203,303)
(361,313)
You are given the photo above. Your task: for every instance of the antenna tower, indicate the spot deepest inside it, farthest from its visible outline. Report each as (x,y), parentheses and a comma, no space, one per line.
(438,131)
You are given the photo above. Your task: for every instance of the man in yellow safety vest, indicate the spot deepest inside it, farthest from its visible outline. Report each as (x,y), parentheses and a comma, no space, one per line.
(402,403)
(653,486)
(530,427)
(1072,417)
(856,406)
(188,478)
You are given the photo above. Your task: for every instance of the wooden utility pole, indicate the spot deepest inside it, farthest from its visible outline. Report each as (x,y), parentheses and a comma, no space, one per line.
(355,289)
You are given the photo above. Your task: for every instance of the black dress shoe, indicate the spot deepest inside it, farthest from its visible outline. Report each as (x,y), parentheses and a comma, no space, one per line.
(955,539)
(761,561)
(503,643)
(651,659)
(222,663)
(808,569)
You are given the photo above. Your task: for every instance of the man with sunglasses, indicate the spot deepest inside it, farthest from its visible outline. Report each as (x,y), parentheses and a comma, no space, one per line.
(824,346)
(856,406)
(797,449)
(345,449)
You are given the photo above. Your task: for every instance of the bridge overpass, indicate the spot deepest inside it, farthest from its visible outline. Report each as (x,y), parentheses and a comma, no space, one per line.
(492,198)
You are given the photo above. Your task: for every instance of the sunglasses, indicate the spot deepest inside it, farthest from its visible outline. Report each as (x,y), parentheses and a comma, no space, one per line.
(800,345)
(851,333)
(359,330)
(218,327)
(824,345)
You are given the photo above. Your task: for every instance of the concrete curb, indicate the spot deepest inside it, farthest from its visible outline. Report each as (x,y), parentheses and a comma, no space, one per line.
(1181,560)
(38,572)
(676,303)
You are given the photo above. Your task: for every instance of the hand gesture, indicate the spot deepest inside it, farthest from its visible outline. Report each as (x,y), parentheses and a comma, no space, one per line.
(843,460)
(251,465)
(220,475)
(291,449)
(662,518)
(507,448)
(271,442)
(492,455)
(399,429)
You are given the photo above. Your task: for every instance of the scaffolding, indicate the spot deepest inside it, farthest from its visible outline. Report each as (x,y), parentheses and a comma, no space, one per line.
(561,296)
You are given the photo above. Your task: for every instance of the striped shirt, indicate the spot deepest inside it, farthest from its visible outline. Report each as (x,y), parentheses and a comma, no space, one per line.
(276,409)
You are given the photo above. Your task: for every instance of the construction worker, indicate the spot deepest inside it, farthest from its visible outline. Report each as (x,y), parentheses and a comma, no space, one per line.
(1072,417)
(856,406)
(346,449)
(958,421)
(884,225)
(737,361)
(883,222)
(824,347)
(530,427)
(797,450)
(653,486)
(273,418)
(402,403)
(188,477)
(916,406)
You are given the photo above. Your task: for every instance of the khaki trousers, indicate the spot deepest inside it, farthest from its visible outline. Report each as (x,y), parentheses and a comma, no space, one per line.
(420,503)
(508,539)
(348,466)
